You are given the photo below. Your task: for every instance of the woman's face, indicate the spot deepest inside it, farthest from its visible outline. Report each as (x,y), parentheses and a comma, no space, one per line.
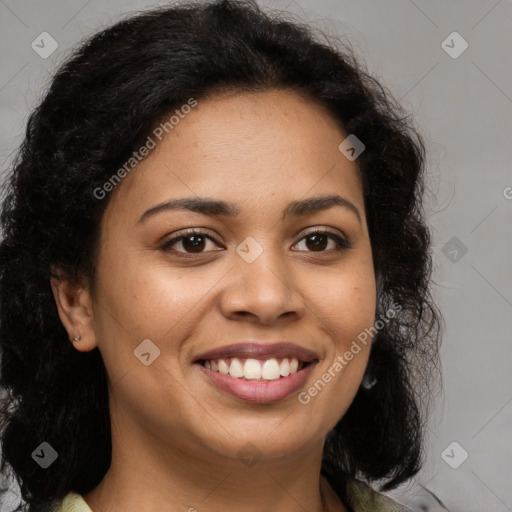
(253,273)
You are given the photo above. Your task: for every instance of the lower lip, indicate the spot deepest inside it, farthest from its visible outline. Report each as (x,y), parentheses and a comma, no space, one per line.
(259,391)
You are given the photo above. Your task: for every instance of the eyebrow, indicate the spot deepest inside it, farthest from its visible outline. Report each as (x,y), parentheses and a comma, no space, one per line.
(214,207)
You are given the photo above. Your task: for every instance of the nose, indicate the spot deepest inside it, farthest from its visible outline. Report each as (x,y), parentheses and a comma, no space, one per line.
(263,291)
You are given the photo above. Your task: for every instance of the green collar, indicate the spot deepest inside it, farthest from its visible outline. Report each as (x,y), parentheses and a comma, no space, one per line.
(363,498)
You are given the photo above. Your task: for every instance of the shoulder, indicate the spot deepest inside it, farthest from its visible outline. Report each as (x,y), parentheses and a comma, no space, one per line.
(362,498)
(72,502)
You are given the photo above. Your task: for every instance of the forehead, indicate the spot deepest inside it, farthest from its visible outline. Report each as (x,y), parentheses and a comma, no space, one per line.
(245,146)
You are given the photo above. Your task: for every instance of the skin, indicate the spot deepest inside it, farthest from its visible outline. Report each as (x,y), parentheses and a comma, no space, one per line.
(176,437)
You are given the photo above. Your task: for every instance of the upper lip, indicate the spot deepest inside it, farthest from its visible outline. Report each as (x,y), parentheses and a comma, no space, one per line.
(254,350)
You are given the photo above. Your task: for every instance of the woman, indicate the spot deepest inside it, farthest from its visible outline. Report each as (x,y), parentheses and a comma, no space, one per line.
(215,275)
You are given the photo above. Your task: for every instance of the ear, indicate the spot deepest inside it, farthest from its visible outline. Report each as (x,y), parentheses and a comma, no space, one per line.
(74,304)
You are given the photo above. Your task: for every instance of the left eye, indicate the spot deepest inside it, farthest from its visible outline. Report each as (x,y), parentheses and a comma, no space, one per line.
(194,242)
(320,239)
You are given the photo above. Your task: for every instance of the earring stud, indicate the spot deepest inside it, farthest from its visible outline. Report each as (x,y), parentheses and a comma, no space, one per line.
(78,338)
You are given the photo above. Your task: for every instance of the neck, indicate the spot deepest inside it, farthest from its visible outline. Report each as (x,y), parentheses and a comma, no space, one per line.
(150,475)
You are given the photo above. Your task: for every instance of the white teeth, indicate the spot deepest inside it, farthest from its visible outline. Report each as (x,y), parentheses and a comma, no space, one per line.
(236,369)
(270,370)
(285,368)
(254,369)
(223,367)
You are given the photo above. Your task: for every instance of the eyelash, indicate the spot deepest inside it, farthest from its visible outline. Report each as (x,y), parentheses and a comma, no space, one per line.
(342,243)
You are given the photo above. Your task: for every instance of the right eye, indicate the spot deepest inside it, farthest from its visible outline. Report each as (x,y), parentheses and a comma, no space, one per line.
(191,240)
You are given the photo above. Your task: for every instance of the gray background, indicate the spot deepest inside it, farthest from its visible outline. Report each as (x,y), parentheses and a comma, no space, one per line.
(463,107)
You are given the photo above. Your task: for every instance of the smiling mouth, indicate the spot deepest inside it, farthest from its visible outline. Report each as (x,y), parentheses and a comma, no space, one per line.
(269,369)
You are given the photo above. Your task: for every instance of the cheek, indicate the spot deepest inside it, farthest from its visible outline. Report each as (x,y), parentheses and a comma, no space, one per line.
(149,299)
(138,302)
(347,302)
(346,308)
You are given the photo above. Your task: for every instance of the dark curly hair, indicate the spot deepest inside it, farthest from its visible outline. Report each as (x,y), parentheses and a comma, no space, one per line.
(100,106)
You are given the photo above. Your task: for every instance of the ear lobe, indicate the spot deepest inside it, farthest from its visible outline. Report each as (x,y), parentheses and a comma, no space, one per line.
(74,305)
